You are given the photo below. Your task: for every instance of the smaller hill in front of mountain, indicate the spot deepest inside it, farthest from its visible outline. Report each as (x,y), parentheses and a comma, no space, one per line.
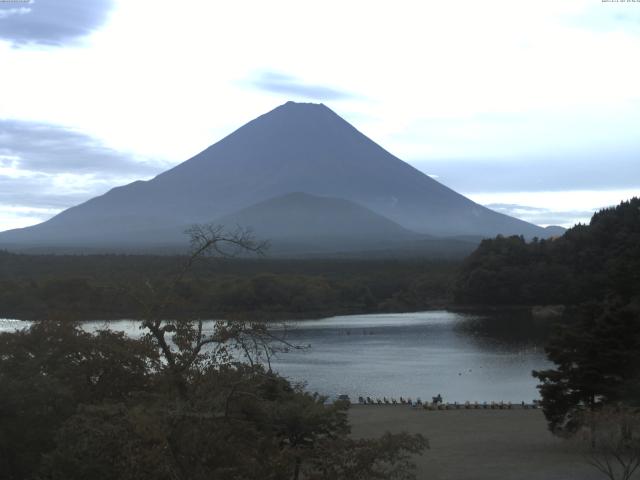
(304,222)
(554,231)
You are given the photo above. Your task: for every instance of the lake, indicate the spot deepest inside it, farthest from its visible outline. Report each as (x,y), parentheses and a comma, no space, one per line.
(463,357)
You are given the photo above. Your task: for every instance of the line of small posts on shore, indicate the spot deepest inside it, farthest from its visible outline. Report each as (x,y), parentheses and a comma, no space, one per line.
(438,404)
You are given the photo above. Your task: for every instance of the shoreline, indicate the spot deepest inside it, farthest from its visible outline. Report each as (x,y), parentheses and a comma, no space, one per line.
(274,317)
(430,406)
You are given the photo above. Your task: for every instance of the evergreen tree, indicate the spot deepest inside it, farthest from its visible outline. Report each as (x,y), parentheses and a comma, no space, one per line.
(597,361)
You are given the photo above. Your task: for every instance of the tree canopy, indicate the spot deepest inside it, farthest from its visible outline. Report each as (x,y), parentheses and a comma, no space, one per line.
(597,363)
(589,262)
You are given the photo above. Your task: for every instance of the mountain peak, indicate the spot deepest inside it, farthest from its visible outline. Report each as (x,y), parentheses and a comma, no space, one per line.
(302,130)
(299,110)
(292,104)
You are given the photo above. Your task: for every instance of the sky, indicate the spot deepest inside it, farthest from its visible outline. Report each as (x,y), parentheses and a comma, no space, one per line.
(529,107)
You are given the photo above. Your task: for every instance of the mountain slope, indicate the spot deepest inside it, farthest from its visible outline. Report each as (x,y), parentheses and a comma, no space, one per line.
(294,148)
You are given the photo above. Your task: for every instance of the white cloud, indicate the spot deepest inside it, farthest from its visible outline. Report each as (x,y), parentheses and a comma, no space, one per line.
(18,217)
(50,23)
(569,207)
(7,12)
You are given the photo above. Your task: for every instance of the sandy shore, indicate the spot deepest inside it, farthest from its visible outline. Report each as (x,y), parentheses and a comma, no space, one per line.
(479,444)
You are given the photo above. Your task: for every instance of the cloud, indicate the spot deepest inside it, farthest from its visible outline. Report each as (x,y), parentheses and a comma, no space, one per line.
(49,22)
(41,191)
(515,207)
(542,216)
(17,217)
(285,84)
(564,208)
(606,18)
(587,171)
(46,168)
(31,197)
(44,148)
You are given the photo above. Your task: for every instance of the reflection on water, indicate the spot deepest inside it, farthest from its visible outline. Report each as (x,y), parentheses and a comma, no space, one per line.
(461,356)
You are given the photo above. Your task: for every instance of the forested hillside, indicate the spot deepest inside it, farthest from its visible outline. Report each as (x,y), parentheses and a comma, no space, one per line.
(589,262)
(111,286)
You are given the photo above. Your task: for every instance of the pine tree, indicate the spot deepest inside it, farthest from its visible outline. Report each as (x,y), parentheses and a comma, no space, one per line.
(597,361)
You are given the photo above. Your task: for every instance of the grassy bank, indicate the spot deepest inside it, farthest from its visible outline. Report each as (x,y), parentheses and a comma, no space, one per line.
(479,444)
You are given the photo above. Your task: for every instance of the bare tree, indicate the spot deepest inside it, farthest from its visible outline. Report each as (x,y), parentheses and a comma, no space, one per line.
(614,435)
(186,347)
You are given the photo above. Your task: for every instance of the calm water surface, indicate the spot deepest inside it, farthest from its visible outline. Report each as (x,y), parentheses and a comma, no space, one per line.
(409,354)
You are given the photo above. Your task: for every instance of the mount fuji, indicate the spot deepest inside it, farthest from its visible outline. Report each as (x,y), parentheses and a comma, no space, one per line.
(297,162)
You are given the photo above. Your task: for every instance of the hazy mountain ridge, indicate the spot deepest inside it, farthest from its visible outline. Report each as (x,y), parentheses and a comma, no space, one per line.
(294,148)
(555,230)
(301,214)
